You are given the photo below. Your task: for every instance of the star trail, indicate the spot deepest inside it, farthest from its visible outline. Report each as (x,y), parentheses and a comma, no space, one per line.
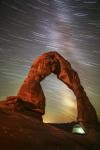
(70,27)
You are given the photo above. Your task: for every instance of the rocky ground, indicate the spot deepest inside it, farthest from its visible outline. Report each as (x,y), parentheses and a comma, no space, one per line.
(21,130)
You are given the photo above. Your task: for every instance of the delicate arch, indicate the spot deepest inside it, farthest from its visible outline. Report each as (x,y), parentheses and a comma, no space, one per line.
(52,62)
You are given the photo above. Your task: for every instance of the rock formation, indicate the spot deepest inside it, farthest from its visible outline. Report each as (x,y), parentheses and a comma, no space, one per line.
(21,125)
(31,96)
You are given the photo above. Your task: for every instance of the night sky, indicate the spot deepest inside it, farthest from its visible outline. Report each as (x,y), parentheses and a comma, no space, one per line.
(71,27)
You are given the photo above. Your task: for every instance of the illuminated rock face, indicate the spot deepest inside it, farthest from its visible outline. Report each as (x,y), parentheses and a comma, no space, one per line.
(52,62)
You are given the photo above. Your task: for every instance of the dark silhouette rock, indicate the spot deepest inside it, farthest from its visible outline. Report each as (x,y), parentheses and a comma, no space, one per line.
(21,132)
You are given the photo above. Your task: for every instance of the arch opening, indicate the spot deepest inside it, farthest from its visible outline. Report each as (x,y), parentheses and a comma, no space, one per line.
(61,103)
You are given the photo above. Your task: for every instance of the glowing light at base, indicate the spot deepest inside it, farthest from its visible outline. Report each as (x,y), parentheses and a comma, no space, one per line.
(78,129)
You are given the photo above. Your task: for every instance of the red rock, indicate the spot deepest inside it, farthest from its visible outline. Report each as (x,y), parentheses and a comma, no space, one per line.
(31,97)
(21,125)
(52,62)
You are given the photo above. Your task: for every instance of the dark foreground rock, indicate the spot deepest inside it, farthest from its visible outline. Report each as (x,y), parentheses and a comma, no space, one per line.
(22,131)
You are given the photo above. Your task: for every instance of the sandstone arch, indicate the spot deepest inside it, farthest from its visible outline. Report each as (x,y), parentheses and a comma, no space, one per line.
(52,62)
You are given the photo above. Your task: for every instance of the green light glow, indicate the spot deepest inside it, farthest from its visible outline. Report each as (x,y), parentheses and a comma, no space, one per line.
(78,129)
